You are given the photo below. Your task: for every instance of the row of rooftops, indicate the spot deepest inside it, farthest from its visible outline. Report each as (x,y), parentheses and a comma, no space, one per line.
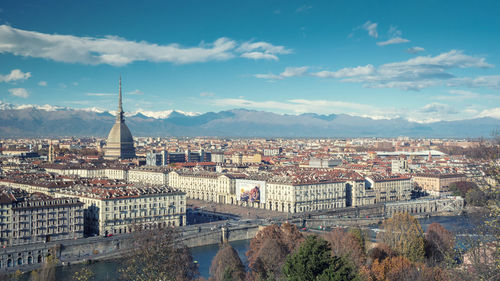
(119,192)
(380,178)
(440,176)
(294,175)
(20,199)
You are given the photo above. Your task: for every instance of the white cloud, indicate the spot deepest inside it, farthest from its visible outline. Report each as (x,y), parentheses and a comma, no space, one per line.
(395,40)
(19,92)
(42,83)
(289,72)
(413,74)
(346,72)
(415,50)
(420,72)
(294,71)
(261,50)
(118,51)
(489,81)
(371,28)
(259,56)
(492,112)
(14,75)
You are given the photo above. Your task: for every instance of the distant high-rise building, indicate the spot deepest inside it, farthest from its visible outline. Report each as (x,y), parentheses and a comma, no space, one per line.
(399,166)
(165,157)
(154,159)
(120,144)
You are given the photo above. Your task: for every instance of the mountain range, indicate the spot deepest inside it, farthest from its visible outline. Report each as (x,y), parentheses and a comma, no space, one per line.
(45,121)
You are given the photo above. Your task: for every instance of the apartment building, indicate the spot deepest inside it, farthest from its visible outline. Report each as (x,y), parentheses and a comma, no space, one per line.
(303,196)
(34,218)
(389,188)
(436,184)
(117,173)
(208,186)
(149,175)
(120,209)
(360,195)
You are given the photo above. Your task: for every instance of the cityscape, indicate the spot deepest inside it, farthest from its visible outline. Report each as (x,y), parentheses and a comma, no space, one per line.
(316,151)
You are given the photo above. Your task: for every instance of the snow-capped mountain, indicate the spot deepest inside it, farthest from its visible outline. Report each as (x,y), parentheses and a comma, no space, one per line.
(46,120)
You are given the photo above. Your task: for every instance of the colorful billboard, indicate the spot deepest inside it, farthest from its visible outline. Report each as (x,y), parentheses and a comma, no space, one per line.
(251,191)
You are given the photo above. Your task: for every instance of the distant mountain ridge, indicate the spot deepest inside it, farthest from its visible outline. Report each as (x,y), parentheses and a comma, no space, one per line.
(40,121)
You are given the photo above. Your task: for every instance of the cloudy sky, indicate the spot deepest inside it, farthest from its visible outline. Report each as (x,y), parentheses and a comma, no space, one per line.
(424,61)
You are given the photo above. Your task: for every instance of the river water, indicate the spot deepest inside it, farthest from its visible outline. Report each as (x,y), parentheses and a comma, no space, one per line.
(108,270)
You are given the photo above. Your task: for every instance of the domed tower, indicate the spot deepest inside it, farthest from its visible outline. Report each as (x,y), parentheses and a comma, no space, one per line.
(120,144)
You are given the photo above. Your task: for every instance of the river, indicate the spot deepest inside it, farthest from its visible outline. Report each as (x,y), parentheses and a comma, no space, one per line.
(108,270)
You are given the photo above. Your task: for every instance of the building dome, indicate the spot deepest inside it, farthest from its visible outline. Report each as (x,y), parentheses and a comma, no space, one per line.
(120,134)
(120,143)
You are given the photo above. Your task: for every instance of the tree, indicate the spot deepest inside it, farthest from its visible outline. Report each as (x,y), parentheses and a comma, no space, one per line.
(346,245)
(439,244)
(270,247)
(85,274)
(380,252)
(481,260)
(227,265)
(48,270)
(313,261)
(400,268)
(362,236)
(157,255)
(404,235)
(460,188)
(476,197)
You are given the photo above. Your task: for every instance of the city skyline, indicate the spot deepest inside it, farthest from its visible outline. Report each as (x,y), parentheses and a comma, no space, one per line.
(421,61)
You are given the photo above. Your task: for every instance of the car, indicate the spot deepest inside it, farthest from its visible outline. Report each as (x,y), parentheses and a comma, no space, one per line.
(109,235)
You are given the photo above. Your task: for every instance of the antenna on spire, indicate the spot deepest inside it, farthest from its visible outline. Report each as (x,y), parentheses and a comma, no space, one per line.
(119,115)
(120,97)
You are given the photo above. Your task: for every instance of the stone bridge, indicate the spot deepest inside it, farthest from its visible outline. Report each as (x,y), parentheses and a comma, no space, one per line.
(452,205)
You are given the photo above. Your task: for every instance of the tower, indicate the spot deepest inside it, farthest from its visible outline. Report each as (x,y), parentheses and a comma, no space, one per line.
(120,144)
(51,153)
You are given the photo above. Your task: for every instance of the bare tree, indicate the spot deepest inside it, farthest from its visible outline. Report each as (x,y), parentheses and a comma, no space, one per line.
(439,245)
(158,255)
(270,247)
(403,233)
(47,272)
(227,265)
(346,245)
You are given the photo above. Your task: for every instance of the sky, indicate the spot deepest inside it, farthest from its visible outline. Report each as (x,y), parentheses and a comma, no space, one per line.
(424,60)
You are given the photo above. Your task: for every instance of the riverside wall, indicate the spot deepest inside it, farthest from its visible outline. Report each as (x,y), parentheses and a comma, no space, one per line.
(29,257)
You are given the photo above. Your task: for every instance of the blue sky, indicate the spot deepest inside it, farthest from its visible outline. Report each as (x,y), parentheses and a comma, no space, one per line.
(424,60)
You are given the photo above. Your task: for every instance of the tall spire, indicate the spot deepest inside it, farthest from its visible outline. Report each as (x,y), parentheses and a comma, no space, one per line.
(119,115)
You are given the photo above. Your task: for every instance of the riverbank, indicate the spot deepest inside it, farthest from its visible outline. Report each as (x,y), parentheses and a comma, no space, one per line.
(106,268)
(204,254)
